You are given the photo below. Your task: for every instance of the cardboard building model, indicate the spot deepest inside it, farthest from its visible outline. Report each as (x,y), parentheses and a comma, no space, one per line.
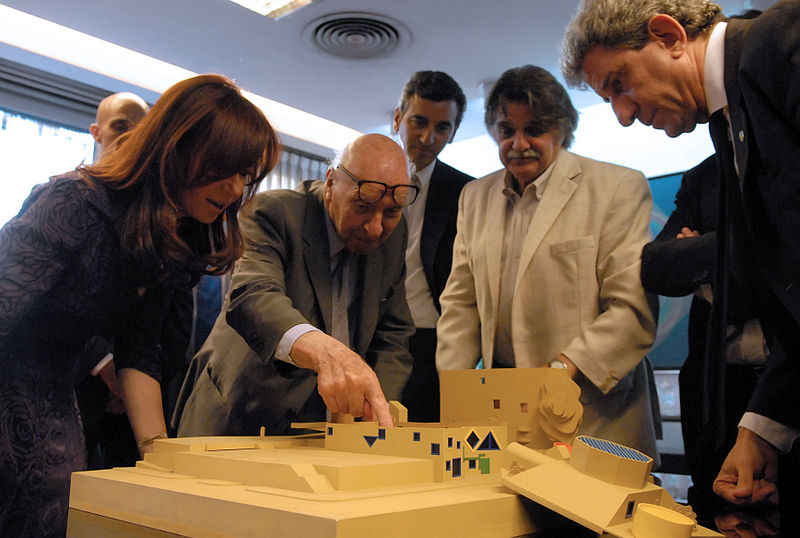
(540,406)
(604,486)
(361,480)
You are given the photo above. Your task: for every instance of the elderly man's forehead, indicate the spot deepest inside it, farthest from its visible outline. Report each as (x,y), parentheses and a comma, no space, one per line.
(520,105)
(389,171)
(378,162)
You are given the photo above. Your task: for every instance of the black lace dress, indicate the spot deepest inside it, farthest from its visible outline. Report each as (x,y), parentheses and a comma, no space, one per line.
(61,281)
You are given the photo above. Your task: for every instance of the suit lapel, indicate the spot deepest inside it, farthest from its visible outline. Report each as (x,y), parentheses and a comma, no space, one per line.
(733,46)
(434,220)
(495,224)
(560,188)
(316,254)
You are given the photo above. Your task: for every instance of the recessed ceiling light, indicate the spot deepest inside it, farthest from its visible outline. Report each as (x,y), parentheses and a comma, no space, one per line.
(63,44)
(274,9)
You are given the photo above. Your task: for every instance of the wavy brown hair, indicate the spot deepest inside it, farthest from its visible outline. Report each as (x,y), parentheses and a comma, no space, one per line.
(200,131)
(535,87)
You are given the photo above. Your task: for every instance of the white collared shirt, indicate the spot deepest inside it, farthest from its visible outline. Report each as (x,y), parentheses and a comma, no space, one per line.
(519,215)
(714,69)
(418,293)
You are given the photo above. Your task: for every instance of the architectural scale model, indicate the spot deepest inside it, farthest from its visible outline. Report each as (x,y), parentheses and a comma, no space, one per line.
(604,486)
(360,480)
(284,486)
(540,405)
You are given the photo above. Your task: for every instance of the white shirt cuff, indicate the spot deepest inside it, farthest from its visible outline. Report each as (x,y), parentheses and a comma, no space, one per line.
(99,366)
(778,435)
(288,340)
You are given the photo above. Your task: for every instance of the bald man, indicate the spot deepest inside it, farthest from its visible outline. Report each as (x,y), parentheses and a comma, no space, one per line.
(317,315)
(116,114)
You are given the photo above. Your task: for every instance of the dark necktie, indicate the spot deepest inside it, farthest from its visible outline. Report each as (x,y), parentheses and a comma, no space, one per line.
(340,327)
(714,364)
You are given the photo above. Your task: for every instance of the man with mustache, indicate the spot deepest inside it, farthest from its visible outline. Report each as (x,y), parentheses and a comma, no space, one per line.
(426,120)
(546,263)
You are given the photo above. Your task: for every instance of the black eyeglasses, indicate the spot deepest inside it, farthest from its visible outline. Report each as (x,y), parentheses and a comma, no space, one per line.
(374,191)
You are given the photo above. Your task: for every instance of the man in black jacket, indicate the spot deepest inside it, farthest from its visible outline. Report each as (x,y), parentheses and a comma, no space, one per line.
(674,65)
(426,120)
(680,261)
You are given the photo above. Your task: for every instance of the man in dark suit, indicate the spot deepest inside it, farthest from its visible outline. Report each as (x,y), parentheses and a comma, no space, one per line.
(680,261)
(426,120)
(316,316)
(673,65)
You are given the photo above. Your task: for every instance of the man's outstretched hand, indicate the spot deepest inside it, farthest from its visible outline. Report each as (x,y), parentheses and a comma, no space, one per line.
(346,383)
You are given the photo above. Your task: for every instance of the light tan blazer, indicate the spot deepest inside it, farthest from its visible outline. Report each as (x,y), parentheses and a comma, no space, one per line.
(578,290)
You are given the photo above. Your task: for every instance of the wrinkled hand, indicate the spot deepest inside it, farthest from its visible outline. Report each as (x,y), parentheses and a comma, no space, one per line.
(346,383)
(750,471)
(686,232)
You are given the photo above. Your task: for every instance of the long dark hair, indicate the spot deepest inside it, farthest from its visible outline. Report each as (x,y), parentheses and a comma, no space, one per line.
(200,131)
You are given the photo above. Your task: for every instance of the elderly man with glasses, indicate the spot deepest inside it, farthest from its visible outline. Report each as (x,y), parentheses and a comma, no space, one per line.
(317,316)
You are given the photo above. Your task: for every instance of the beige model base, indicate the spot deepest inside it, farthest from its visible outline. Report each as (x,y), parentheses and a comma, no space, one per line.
(601,485)
(540,405)
(360,480)
(281,486)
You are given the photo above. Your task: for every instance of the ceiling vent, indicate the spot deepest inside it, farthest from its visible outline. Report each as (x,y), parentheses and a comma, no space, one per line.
(357,35)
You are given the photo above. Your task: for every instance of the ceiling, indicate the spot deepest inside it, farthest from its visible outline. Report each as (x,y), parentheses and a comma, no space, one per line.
(471,40)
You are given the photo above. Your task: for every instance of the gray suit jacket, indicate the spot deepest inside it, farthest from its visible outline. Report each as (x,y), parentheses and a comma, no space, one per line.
(284,280)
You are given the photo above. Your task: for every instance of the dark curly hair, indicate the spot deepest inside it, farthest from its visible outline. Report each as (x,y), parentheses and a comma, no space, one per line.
(434,86)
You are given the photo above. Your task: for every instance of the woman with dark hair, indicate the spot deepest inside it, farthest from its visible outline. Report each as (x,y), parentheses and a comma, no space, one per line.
(98,251)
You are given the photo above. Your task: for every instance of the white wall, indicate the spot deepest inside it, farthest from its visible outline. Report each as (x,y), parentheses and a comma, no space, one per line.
(600,137)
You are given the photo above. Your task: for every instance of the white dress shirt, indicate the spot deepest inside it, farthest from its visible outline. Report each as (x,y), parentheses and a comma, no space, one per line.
(519,214)
(418,293)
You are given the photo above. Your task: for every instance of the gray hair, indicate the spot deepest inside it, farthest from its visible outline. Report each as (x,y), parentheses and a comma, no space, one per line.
(620,24)
(537,88)
(337,157)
